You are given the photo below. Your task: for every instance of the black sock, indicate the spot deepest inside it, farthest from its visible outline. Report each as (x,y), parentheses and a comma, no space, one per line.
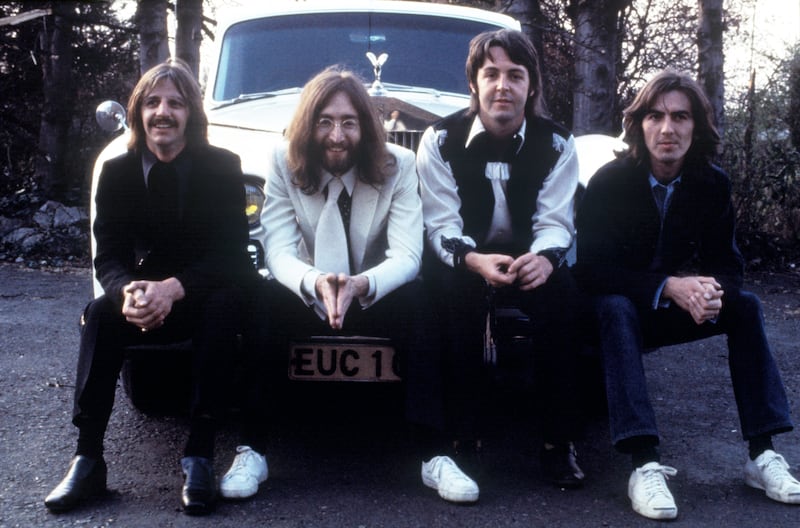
(759,444)
(90,440)
(643,449)
(201,438)
(645,455)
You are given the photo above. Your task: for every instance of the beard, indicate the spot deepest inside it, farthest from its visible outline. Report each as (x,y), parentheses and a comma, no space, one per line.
(337,161)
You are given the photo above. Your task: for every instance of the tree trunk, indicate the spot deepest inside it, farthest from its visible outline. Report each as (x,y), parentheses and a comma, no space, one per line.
(151,17)
(794,102)
(55,41)
(190,33)
(597,51)
(529,13)
(710,57)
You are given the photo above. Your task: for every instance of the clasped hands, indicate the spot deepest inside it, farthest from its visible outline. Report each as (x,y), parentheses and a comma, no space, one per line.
(527,271)
(147,304)
(700,296)
(337,292)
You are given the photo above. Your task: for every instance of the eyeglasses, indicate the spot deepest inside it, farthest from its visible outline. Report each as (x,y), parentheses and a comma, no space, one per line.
(326,125)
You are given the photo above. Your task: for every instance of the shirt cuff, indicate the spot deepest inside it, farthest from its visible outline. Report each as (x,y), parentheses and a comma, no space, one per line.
(308,287)
(367,299)
(658,302)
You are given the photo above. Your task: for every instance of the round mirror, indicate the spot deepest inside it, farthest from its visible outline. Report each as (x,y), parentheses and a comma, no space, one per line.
(110,115)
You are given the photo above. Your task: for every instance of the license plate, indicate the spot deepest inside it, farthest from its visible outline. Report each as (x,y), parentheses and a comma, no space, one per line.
(347,358)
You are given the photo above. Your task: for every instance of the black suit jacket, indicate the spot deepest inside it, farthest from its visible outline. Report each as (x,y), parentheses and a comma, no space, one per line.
(618,229)
(206,248)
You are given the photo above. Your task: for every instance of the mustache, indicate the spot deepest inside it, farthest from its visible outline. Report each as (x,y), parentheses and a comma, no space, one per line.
(162,121)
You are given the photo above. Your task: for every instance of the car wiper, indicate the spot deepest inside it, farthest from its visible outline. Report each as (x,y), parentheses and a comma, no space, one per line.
(257,95)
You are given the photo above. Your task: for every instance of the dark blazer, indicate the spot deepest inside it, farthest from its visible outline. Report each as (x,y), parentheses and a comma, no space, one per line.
(207,246)
(618,230)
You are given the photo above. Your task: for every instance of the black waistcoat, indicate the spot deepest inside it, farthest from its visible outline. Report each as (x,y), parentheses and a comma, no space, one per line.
(528,170)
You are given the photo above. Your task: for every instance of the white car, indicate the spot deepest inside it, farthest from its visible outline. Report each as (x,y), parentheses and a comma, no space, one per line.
(411,56)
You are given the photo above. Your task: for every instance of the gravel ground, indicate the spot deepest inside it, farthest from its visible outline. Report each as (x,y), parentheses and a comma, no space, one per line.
(344,466)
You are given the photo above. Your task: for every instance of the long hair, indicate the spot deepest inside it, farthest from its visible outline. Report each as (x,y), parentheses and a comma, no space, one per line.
(176,71)
(375,162)
(705,139)
(521,51)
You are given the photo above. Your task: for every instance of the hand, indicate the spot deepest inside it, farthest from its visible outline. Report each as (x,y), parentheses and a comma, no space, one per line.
(700,296)
(337,293)
(531,270)
(492,267)
(147,304)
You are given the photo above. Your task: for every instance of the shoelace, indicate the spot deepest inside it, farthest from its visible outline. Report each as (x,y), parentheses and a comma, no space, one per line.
(775,470)
(241,460)
(655,480)
(445,464)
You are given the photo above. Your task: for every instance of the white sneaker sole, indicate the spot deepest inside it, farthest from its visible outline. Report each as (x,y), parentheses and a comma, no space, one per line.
(451,495)
(243,493)
(652,513)
(786,499)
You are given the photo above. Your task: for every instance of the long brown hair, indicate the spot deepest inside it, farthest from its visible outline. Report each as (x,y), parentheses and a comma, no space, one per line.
(521,51)
(176,71)
(705,139)
(374,161)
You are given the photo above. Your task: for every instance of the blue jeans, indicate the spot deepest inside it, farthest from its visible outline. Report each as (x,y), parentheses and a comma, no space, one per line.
(625,333)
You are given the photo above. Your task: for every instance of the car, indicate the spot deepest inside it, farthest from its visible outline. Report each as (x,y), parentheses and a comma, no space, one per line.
(411,56)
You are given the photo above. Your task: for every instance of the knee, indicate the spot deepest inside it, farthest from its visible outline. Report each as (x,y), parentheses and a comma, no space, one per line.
(742,306)
(616,308)
(100,309)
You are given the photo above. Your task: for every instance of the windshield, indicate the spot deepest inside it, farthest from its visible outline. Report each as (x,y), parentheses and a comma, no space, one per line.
(274,53)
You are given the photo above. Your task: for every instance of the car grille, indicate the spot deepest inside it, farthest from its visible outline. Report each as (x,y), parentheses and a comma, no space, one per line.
(405,138)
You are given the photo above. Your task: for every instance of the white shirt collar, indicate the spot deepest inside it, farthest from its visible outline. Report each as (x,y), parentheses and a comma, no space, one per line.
(477,128)
(348,179)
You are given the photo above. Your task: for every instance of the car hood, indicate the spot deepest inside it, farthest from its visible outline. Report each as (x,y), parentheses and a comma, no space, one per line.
(272,113)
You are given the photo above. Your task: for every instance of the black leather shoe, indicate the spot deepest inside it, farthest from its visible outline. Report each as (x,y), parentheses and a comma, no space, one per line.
(199,492)
(85,478)
(560,466)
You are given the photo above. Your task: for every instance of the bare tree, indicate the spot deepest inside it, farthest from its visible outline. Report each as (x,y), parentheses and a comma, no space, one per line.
(151,18)
(597,56)
(189,33)
(710,58)
(55,45)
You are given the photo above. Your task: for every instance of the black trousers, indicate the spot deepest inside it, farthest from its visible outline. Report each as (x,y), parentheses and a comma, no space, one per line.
(212,324)
(462,302)
(403,315)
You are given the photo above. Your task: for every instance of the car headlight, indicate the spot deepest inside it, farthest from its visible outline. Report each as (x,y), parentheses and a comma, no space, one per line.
(254,202)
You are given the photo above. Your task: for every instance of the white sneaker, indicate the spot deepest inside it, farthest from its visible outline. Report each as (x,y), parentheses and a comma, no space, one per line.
(648,491)
(443,475)
(249,469)
(770,472)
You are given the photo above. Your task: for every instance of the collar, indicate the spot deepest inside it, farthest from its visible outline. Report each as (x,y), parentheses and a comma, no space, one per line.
(348,179)
(670,186)
(181,162)
(477,128)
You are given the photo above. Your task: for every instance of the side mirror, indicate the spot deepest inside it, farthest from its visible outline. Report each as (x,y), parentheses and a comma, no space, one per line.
(110,115)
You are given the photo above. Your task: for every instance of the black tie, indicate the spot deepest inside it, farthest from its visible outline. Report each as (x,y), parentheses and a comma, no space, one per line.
(660,195)
(344,209)
(162,187)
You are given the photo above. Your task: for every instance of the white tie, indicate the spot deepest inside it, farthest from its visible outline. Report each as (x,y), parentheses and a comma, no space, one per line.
(500,228)
(330,243)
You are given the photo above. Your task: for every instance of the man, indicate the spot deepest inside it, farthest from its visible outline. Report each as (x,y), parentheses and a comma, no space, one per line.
(498,185)
(657,250)
(171,236)
(343,223)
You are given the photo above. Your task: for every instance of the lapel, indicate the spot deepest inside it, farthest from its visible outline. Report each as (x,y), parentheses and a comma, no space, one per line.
(362,212)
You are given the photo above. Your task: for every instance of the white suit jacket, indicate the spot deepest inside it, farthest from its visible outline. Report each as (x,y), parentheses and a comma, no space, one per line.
(385,227)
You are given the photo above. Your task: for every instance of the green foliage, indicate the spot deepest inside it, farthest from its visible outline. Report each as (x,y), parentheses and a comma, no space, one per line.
(764,166)
(104,67)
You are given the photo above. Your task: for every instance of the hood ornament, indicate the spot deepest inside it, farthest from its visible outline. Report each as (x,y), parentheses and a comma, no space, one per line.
(377,63)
